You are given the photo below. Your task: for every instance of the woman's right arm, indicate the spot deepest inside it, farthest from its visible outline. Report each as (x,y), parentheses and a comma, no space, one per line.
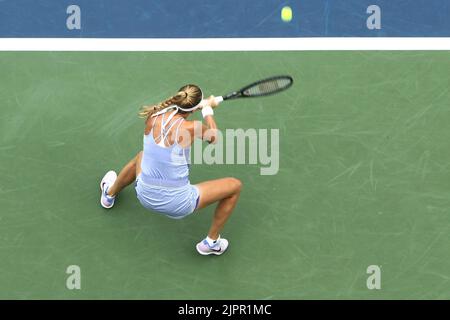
(207,131)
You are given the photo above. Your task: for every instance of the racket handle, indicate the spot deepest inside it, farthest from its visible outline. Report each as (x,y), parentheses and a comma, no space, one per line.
(218,99)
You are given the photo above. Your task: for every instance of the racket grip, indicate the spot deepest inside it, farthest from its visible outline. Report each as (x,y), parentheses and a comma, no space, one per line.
(218,99)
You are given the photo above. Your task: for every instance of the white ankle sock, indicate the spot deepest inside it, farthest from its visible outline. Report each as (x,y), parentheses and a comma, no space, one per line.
(212,242)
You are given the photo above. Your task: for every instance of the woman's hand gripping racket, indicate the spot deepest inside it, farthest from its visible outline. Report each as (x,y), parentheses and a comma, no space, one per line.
(260,88)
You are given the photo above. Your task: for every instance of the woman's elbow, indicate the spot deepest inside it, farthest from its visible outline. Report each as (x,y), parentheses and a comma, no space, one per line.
(212,136)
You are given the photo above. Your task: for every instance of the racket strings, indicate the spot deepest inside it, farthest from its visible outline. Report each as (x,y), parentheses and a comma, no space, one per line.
(268,87)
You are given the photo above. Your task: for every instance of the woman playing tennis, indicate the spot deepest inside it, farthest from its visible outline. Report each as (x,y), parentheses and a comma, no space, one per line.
(161,170)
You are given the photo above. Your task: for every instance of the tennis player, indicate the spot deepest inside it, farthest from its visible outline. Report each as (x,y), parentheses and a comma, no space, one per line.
(161,170)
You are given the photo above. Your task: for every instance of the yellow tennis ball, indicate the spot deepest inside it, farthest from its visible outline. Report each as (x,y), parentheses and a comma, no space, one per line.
(286,14)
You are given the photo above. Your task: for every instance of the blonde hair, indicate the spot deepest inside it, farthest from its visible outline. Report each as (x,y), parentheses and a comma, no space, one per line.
(188,96)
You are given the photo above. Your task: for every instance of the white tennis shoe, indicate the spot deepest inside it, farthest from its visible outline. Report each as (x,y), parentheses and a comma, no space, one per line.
(108,180)
(219,247)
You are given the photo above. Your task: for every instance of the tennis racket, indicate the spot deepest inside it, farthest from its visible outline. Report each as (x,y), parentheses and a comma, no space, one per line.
(259,88)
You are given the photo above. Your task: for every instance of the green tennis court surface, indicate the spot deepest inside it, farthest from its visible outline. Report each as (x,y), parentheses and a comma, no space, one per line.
(364,177)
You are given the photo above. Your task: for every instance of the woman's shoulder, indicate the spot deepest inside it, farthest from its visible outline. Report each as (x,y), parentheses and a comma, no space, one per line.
(190,124)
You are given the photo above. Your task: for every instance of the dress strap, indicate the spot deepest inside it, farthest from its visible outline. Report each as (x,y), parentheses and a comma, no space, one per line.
(167,131)
(178,129)
(154,121)
(160,136)
(153,124)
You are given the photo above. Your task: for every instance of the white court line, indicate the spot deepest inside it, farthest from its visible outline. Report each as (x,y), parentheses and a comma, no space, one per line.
(222,44)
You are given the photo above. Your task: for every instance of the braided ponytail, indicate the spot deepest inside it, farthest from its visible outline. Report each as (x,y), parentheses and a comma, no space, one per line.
(186,96)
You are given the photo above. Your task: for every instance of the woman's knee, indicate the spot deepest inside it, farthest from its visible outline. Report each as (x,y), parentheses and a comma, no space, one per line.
(137,163)
(236,184)
(138,158)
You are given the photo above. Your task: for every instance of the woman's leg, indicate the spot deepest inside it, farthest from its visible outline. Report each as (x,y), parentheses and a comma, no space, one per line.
(226,191)
(127,175)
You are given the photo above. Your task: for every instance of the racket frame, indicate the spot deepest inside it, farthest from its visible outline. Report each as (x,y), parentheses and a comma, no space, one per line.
(240,93)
